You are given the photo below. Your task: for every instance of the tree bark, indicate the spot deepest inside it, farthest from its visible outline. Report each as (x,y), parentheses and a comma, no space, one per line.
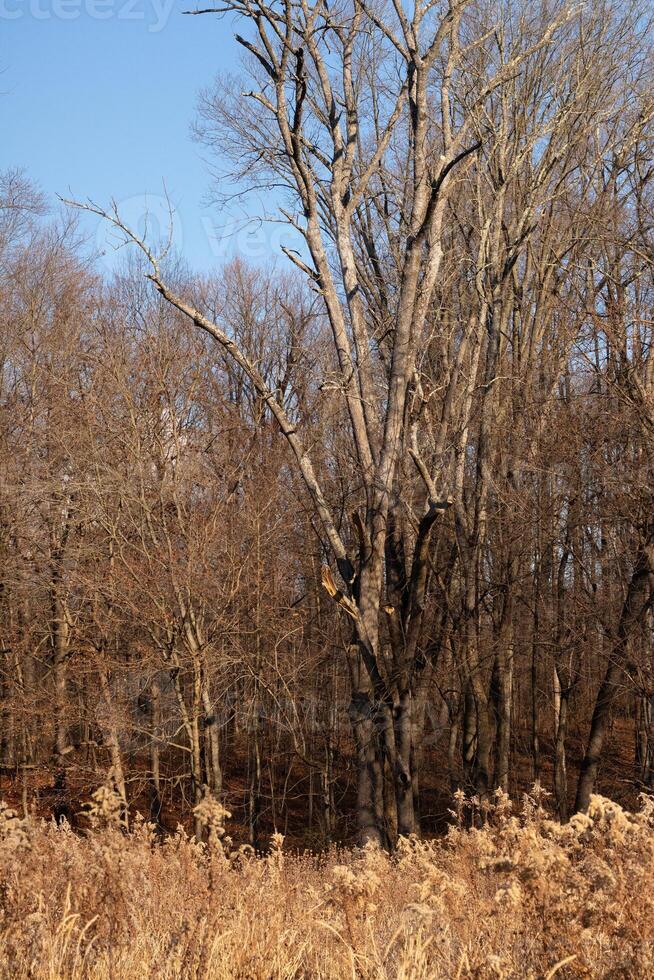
(640,593)
(561,698)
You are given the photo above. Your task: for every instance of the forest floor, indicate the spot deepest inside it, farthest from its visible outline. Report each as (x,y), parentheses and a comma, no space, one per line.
(520,897)
(285,788)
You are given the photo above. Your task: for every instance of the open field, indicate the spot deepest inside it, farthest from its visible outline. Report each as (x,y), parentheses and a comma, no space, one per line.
(522,897)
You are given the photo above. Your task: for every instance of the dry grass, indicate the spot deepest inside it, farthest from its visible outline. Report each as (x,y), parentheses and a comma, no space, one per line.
(522,897)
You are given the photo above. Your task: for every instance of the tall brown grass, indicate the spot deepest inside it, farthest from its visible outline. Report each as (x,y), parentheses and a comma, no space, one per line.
(521,897)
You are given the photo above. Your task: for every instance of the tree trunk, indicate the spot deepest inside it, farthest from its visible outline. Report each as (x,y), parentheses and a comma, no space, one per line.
(455,724)
(469,745)
(111,738)
(370,817)
(155,724)
(504,705)
(535,738)
(214,770)
(644,754)
(484,746)
(561,698)
(403,725)
(639,597)
(60,642)
(254,800)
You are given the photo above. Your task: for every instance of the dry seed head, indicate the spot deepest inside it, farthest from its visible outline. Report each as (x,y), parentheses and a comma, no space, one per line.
(106,807)
(211,815)
(14,831)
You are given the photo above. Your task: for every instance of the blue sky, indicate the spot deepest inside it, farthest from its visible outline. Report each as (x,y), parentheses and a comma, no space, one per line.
(97,100)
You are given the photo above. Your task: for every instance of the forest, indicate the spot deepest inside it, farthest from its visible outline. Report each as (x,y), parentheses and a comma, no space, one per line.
(338,539)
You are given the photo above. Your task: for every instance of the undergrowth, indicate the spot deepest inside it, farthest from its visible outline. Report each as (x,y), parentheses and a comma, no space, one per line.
(515,895)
